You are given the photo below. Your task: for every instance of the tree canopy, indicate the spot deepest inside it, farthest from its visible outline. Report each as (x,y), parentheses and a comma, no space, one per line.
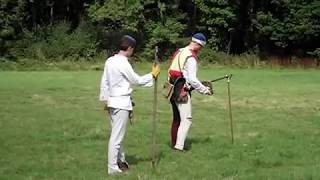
(234,26)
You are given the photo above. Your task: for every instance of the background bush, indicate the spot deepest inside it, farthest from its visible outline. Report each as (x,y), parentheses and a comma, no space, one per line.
(56,43)
(56,30)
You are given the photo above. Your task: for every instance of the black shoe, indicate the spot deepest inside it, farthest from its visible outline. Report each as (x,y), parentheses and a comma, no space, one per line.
(124,166)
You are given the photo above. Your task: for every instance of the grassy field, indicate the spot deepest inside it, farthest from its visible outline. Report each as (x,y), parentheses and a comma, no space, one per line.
(53,127)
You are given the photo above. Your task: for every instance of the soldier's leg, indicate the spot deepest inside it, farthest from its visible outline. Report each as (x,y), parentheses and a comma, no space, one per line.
(185,123)
(119,119)
(175,123)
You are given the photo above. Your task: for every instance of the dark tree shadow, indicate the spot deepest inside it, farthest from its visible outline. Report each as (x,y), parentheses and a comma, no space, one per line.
(134,159)
(195,140)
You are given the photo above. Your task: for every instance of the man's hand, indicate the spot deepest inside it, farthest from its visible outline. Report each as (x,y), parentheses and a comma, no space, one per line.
(155,70)
(209,90)
(207,83)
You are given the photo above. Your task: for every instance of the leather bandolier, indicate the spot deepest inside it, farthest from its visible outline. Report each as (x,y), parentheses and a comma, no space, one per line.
(175,73)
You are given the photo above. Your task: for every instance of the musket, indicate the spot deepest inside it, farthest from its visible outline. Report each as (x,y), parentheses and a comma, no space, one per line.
(154,115)
(227,76)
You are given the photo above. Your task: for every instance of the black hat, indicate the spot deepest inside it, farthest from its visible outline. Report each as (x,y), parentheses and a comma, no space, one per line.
(127,41)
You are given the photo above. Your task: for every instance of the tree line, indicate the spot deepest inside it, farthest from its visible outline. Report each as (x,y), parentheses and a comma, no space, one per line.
(276,27)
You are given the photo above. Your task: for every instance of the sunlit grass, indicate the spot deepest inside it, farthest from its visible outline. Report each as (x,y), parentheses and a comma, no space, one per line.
(53,127)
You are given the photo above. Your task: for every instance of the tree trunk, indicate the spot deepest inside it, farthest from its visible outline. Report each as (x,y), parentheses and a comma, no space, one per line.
(33,13)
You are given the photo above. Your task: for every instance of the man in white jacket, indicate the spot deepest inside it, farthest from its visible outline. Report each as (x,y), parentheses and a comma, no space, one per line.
(184,65)
(115,92)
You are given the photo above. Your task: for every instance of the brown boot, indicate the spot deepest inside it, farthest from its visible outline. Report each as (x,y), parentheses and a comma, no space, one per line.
(124,166)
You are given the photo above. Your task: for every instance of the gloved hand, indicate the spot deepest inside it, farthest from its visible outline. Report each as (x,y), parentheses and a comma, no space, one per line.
(155,70)
(209,91)
(208,84)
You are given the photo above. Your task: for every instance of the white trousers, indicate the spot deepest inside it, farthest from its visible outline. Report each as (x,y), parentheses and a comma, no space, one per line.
(118,122)
(185,122)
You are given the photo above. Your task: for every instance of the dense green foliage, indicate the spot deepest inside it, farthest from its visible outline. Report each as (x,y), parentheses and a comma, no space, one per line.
(154,22)
(278,27)
(55,42)
(12,14)
(291,25)
(219,18)
(53,128)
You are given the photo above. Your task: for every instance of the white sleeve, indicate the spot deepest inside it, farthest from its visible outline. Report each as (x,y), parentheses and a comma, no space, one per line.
(134,78)
(104,85)
(191,76)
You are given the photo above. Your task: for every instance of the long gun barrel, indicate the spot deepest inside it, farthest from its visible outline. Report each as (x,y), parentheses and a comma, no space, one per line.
(227,76)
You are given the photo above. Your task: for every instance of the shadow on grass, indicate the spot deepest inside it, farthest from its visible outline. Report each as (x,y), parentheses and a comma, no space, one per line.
(189,141)
(196,140)
(133,159)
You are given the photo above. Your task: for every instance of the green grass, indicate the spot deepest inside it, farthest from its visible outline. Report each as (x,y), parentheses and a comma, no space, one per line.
(53,127)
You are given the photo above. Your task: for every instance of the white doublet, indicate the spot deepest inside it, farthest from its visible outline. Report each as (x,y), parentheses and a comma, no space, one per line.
(117,78)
